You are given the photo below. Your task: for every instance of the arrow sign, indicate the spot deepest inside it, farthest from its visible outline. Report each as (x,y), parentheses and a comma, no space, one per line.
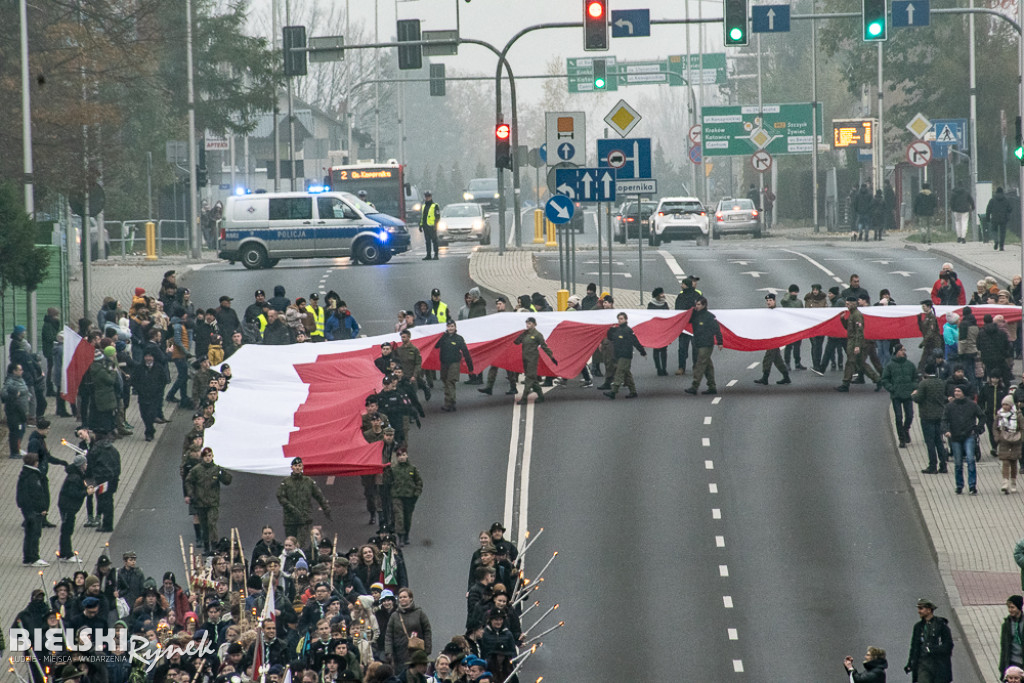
(587,184)
(756,274)
(902,273)
(568,191)
(769,19)
(631,23)
(566,151)
(559,209)
(608,184)
(761,161)
(919,153)
(911,13)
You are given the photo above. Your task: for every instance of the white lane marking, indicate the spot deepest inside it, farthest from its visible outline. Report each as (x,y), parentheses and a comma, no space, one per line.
(330,481)
(733,382)
(672,264)
(709,465)
(753,365)
(705,442)
(839,279)
(716,513)
(712,488)
(723,570)
(716,400)
(737,666)
(719,541)
(727,601)
(812,262)
(510,473)
(734,634)
(707,420)
(524,485)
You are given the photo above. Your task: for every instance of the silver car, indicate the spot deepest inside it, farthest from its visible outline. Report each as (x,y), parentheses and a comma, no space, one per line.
(463,222)
(736,216)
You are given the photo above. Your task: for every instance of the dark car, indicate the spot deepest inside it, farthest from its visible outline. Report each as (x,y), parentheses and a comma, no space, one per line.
(625,220)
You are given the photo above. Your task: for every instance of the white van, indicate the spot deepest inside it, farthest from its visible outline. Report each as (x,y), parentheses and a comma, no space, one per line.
(261,229)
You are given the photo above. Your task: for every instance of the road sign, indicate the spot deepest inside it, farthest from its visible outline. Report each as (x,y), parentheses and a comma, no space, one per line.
(566,137)
(622,118)
(853,133)
(694,134)
(673,71)
(919,125)
(769,18)
(695,154)
(586,184)
(944,134)
(543,151)
(442,37)
(631,23)
(637,186)
(559,209)
(919,153)
(635,155)
(911,13)
(534,158)
(328,49)
(761,161)
(775,128)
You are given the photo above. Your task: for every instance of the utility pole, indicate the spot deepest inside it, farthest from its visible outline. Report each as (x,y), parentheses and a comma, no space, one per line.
(274,9)
(814,120)
(880,133)
(291,110)
(972,122)
(193,186)
(26,144)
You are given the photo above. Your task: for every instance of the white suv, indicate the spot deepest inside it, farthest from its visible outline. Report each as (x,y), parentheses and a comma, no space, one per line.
(679,218)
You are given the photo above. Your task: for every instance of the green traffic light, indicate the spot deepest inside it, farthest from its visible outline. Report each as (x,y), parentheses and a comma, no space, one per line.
(599,83)
(875,28)
(1019,153)
(735,33)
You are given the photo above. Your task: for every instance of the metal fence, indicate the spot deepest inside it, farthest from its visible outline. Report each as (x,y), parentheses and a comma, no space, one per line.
(128,238)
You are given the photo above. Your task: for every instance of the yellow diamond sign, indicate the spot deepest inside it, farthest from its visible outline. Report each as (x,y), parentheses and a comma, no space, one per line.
(622,118)
(760,137)
(919,126)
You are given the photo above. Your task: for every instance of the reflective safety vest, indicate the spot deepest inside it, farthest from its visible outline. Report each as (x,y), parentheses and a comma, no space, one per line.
(318,317)
(430,214)
(263,322)
(442,312)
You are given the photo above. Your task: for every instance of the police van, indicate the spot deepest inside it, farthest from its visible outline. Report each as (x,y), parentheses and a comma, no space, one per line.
(261,229)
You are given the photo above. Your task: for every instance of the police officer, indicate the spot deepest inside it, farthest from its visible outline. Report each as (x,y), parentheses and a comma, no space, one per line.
(453,351)
(532,342)
(202,488)
(623,342)
(856,349)
(317,315)
(438,307)
(772,356)
(429,215)
(294,495)
(501,304)
(706,334)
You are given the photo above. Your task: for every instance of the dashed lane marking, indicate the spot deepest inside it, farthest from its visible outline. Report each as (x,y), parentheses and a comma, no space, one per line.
(727,601)
(734,382)
(330,481)
(716,513)
(709,465)
(712,488)
(707,420)
(737,665)
(752,366)
(705,442)
(716,400)
(734,634)
(719,541)
(723,570)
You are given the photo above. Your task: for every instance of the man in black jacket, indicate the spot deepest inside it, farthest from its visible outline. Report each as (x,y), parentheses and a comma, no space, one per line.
(1011,637)
(998,214)
(104,469)
(707,333)
(149,380)
(962,423)
(623,342)
(685,300)
(931,647)
(227,319)
(33,497)
(453,351)
(72,494)
(277,332)
(279,302)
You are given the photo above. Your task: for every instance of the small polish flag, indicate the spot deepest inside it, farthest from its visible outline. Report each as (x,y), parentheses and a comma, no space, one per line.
(102,488)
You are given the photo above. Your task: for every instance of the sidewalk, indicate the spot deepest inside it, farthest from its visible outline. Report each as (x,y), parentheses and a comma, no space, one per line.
(117,279)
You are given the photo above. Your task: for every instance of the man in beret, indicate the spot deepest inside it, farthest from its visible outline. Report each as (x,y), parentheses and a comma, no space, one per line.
(931,647)
(772,356)
(856,347)
(295,494)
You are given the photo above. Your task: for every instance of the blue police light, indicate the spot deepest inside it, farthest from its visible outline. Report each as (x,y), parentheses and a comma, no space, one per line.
(383,235)
(317,189)
(239,191)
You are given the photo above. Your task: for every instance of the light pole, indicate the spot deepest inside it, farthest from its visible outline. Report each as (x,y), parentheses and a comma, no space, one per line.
(26,144)
(193,187)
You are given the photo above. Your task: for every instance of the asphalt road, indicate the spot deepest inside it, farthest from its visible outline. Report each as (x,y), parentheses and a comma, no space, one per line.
(816,543)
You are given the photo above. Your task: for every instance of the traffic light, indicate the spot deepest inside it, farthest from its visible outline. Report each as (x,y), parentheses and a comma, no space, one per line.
(1018,150)
(735,23)
(437,80)
(875,20)
(294,62)
(503,146)
(410,56)
(600,74)
(595,24)
(201,176)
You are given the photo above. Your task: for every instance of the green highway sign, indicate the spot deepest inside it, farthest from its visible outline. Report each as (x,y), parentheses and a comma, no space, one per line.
(774,128)
(622,74)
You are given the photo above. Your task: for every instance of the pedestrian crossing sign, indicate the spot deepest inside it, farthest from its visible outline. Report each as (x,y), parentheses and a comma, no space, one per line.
(946,135)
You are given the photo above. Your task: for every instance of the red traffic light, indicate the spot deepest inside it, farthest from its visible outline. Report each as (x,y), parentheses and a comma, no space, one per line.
(595,9)
(503,131)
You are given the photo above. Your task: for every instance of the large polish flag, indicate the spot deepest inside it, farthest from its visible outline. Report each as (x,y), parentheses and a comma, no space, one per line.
(306,399)
(78,356)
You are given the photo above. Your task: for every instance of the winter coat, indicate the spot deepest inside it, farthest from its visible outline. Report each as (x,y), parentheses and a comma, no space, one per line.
(899,378)
(930,395)
(961,418)
(706,330)
(277,334)
(624,341)
(404,480)
(925,203)
(341,326)
(103,464)
(103,375)
(204,482)
(874,671)
(993,346)
(33,493)
(396,642)
(968,342)
(72,491)
(149,382)
(950,334)
(998,213)
(15,398)
(931,647)
(279,302)
(685,299)
(1011,629)
(961,201)
(423,318)
(1008,421)
(294,495)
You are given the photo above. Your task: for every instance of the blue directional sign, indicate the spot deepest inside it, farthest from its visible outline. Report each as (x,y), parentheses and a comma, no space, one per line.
(630,157)
(543,149)
(631,23)
(586,184)
(769,19)
(948,132)
(559,209)
(566,151)
(911,13)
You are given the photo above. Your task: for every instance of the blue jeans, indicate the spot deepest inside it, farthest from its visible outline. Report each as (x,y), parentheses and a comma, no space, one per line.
(181,382)
(962,449)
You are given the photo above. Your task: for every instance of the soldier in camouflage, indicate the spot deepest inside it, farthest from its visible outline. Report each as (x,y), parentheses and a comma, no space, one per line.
(295,494)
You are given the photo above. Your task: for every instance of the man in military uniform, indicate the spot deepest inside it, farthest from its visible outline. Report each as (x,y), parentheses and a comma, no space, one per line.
(772,356)
(707,333)
(501,306)
(930,333)
(294,495)
(395,404)
(856,350)
(931,647)
(429,215)
(405,485)
(371,412)
(453,351)
(411,360)
(793,300)
(623,342)
(685,301)
(202,488)
(532,342)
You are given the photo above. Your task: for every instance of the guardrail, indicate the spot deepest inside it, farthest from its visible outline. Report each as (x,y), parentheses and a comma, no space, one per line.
(128,238)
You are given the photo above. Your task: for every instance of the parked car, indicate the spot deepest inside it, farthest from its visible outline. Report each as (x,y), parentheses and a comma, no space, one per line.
(736,215)
(625,220)
(463,222)
(679,218)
